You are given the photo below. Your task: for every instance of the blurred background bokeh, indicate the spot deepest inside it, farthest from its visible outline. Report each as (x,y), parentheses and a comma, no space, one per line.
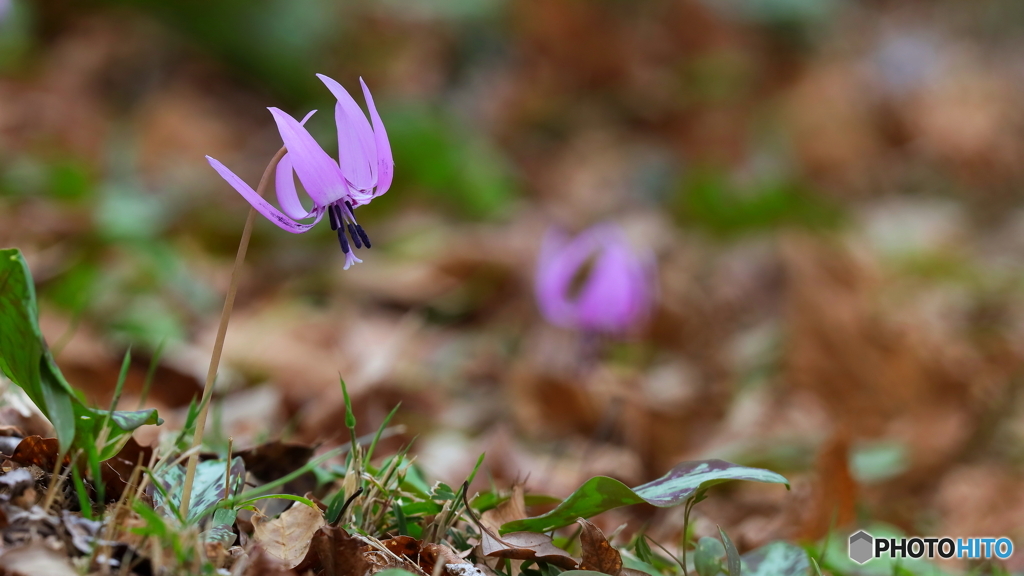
(832,190)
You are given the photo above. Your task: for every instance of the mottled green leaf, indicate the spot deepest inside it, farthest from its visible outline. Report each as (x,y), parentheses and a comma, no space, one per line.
(733,555)
(707,557)
(601,493)
(208,488)
(687,478)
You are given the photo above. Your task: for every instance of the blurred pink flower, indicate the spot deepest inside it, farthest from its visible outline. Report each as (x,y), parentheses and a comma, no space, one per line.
(363,172)
(594,282)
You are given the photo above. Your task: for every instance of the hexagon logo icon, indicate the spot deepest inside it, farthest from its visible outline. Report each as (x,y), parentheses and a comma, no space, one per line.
(862,547)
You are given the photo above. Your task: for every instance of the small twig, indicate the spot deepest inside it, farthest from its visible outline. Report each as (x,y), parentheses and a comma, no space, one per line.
(218,344)
(670,555)
(56,479)
(112,522)
(344,507)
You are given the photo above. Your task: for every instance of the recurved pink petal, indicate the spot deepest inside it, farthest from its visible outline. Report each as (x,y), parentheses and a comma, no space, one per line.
(318,172)
(287,196)
(357,150)
(261,205)
(385,161)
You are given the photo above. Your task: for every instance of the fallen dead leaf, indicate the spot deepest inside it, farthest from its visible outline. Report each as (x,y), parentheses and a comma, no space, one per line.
(118,470)
(272,460)
(518,545)
(38,451)
(598,554)
(288,537)
(340,553)
(527,546)
(512,509)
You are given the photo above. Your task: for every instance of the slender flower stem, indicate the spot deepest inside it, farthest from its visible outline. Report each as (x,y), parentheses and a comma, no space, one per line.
(218,345)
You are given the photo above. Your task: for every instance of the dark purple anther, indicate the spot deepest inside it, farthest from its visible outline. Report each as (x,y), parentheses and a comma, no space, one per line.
(362,235)
(334,219)
(355,237)
(342,240)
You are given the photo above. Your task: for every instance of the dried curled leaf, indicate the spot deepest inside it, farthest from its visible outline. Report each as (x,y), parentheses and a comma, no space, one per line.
(518,545)
(508,511)
(37,451)
(272,460)
(527,546)
(288,537)
(340,553)
(598,554)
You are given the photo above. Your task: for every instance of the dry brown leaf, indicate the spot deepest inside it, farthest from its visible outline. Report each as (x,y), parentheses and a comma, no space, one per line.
(272,460)
(426,556)
(598,554)
(340,553)
(518,545)
(396,556)
(260,563)
(117,471)
(512,509)
(288,537)
(403,546)
(42,452)
(835,498)
(526,546)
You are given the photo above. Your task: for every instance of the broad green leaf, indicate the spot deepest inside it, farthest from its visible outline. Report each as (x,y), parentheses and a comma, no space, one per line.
(25,359)
(601,493)
(597,495)
(630,562)
(59,408)
(21,348)
(776,559)
(119,426)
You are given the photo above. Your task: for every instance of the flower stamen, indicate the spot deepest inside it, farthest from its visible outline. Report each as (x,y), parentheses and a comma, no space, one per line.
(343,240)
(334,219)
(356,239)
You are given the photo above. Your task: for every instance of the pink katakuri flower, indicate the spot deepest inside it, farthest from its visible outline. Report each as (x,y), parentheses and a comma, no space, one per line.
(363,171)
(594,282)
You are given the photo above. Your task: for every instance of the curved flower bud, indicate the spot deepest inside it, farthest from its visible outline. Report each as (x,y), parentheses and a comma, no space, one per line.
(593,282)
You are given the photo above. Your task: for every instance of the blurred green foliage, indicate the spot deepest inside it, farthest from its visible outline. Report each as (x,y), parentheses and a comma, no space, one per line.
(453,166)
(708,200)
(280,44)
